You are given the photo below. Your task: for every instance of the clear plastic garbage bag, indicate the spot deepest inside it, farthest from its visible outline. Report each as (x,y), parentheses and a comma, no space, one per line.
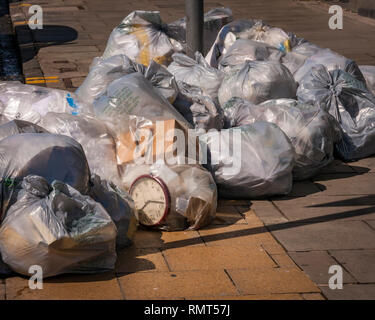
(200,110)
(143,37)
(349,101)
(196,73)
(192,191)
(369,74)
(54,157)
(228,34)
(248,50)
(30,103)
(251,161)
(134,95)
(95,137)
(214,20)
(120,207)
(104,71)
(57,228)
(257,81)
(19,126)
(273,36)
(312,131)
(332,61)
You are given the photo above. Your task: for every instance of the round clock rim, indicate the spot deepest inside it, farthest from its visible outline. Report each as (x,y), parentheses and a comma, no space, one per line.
(165,190)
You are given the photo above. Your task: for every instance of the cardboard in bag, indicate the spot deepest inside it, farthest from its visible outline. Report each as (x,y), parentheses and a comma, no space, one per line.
(153,141)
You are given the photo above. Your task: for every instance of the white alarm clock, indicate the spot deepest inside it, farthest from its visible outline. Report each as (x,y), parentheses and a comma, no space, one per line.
(152,199)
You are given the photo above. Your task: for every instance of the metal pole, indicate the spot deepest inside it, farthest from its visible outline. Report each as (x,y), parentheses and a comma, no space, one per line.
(194,26)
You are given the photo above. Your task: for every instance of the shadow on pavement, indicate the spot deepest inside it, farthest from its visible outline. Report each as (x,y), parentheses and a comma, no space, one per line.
(51,35)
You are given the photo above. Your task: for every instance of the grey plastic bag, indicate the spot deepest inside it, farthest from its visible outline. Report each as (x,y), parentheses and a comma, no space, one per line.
(251,161)
(196,73)
(143,37)
(349,101)
(369,74)
(104,71)
(312,131)
(31,103)
(57,228)
(248,50)
(332,61)
(134,95)
(120,207)
(200,110)
(95,138)
(228,34)
(19,126)
(54,157)
(257,81)
(192,190)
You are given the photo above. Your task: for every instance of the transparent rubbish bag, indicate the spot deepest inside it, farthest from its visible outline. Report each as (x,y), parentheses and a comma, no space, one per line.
(332,61)
(251,161)
(369,74)
(104,71)
(95,137)
(54,157)
(228,34)
(143,37)
(31,103)
(19,126)
(120,207)
(196,73)
(202,111)
(349,101)
(312,131)
(192,190)
(248,50)
(55,227)
(257,81)
(134,95)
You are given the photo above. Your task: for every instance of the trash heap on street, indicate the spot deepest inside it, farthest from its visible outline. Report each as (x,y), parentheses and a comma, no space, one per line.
(80,171)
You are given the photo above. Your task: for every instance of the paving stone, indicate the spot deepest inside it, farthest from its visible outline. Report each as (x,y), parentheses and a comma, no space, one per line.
(181,239)
(134,259)
(371,223)
(84,287)
(364,165)
(267,212)
(176,284)
(228,215)
(346,184)
(303,188)
(360,263)
(316,265)
(338,166)
(212,258)
(312,296)
(325,236)
(275,280)
(327,207)
(351,292)
(283,260)
(236,235)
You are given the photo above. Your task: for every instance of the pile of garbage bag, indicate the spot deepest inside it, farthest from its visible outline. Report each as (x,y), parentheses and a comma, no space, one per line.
(257,162)
(257,81)
(152,137)
(31,103)
(312,131)
(349,101)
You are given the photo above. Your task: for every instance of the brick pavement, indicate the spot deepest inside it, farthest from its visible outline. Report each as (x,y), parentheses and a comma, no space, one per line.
(265,244)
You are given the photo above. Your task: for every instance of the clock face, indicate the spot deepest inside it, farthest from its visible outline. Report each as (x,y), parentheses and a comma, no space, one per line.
(151,198)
